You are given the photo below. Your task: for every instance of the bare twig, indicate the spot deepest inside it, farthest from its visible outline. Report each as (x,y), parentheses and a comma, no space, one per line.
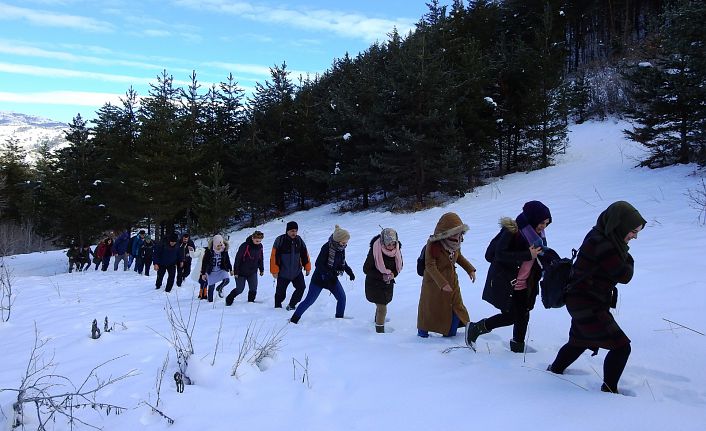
(305,370)
(7,296)
(170,421)
(160,378)
(558,376)
(650,388)
(218,337)
(682,326)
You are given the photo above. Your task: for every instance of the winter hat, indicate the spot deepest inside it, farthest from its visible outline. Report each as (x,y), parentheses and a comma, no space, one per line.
(217,239)
(292,225)
(340,235)
(534,213)
(141,232)
(173,237)
(448,225)
(388,236)
(258,235)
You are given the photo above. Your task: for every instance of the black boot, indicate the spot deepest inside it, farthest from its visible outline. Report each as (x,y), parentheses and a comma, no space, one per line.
(251,296)
(294,318)
(474,330)
(517,346)
(380,329)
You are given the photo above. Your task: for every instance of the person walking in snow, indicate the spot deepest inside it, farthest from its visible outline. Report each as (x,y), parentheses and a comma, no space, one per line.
(134,249)
(287,259)
(330,263)
(73,254)
(186,246)
(166,259)
(120,250)
(104,252)
(248,262)
(441,306)
(84,257)
(382,265)
(513,277)
(144,261)
(603,261)
(215,268)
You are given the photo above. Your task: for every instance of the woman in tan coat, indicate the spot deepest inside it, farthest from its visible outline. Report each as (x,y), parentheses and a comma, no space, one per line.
(441,307)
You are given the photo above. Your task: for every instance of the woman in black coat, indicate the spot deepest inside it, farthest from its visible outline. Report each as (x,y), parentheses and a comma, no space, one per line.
(383,264)
(603,262)
(513,276)
(248,261)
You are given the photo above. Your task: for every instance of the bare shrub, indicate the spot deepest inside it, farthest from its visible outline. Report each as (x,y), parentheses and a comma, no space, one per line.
(258,346)
(697,200)
(53,396)
(7,296)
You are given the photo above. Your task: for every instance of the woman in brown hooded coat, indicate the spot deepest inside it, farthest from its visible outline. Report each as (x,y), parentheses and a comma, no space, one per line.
(441,306)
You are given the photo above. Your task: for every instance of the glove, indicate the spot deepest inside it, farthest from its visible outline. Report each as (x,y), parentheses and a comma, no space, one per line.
(352,276)
(262,273)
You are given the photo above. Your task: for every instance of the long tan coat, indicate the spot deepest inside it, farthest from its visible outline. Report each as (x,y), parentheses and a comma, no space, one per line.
(436,306)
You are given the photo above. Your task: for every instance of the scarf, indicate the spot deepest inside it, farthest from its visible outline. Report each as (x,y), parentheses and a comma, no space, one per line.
(451,246)
(333,248)
(379,250)
(615,223)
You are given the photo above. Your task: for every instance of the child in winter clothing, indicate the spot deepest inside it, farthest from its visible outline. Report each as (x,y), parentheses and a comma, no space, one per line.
(248,260)
(186,246)
(383,264)
(289,255)
(144,260)
(215,267)
(73,254)
(441,307)
(513,277)
(330,263)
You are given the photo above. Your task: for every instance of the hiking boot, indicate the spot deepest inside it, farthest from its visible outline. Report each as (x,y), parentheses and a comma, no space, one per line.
(294,318)
(474,330)
(550,368)
(380,329)
(219,289)
(291,308)
(251,296)
(158,287)
(517,346)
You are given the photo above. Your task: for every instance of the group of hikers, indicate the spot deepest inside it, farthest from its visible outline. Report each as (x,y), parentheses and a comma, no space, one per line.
(516,256)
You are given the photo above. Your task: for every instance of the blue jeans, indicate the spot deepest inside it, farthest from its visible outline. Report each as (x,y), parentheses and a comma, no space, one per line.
(313,293)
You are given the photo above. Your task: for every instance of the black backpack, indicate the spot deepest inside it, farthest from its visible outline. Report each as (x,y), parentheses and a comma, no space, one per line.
(421,261)
(557,277)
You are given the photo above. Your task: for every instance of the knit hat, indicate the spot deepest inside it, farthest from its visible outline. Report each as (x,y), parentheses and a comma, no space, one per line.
(217,239)
(292,225)
(340,235)
(388,236)
(258,235)
(448,225)
(535,213)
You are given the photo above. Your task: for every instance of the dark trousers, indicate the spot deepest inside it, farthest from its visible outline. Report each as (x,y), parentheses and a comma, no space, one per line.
(240,286)
(281,290)
(105,262)
(518,315)
(613,365)
(212,288)
(183,271)
(147,264)
(171,270)
(313,294)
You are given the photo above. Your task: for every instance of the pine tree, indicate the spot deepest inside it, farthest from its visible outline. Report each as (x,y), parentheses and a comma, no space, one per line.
(216,204)
(16,175)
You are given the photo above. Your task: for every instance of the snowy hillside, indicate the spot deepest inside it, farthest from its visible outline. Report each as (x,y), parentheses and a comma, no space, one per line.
(338,374)
(31,131)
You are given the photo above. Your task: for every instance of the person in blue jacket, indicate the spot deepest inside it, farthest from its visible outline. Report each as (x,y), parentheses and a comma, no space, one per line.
(166,258)
(120,250)
(330,263)
(135,247)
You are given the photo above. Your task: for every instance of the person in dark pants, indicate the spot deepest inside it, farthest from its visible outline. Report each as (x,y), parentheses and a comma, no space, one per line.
(144,260)
(330,263)
(186,246)
(287,259)
(166,259)
(84,257)
(107,253)
(603,262)
(73,254)
(134,249)
(120,250)
(248,261)
(513,277)
(383,264)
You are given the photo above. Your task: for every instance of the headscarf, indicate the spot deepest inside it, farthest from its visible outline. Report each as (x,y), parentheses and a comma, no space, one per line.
(387,236)
(616,222)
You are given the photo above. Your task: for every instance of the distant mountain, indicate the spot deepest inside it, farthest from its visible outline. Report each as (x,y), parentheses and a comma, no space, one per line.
(31,131)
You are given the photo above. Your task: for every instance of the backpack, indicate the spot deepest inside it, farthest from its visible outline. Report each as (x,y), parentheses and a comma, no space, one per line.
(557,277)
(421,261)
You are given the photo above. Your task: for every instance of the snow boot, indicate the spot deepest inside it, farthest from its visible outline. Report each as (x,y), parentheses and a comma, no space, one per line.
(380,329)
(294,318)
(517,346)
(251,296)
(474,330)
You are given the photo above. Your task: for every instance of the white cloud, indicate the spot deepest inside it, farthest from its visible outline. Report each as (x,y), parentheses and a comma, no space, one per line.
(254,69)
(350,25)
(52,19)
(69,98)
(53,72)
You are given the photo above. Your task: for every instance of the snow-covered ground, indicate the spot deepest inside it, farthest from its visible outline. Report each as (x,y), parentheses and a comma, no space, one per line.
(361,380)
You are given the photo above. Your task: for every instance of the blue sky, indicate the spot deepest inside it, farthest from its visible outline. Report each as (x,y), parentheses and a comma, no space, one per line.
(63,57)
